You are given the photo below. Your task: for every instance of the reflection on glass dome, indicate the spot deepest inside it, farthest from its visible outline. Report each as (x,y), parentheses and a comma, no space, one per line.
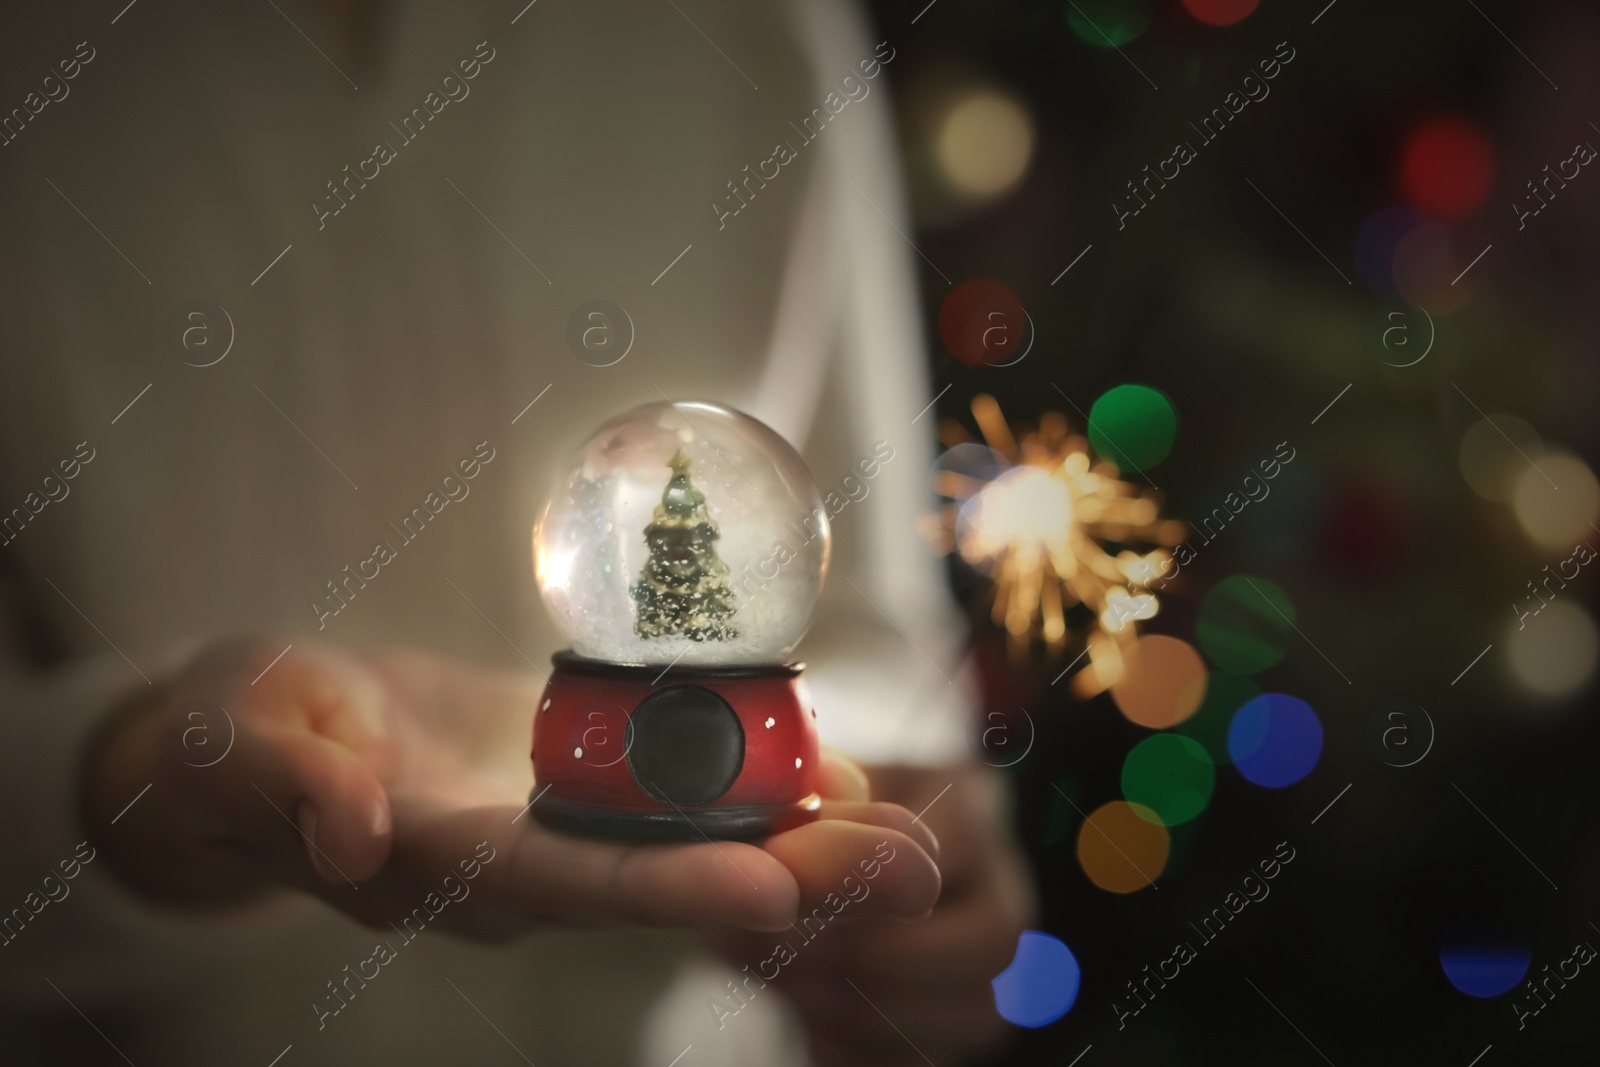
(686,533)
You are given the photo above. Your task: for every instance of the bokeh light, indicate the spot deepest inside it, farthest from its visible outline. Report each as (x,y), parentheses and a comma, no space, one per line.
(1484,970)
(1555,497)
(1494,451)
(1246,624)
(1123,848)
(1221,12)
(984,144)
(968,461)
(1275,740)
(1554,652)
(1108,23)
(1376,241)
(1446,168)
(1133,426)
(1171,775)
(1163,682)
(1041,983)
(982,321)
(1424,267)
(1225,694)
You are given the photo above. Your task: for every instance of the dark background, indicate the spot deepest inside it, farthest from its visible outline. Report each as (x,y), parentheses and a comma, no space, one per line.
(1401,574)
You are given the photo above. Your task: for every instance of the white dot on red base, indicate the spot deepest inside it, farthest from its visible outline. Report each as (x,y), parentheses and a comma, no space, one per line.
(546,706)
(797,763)
(577,753)
(771,722)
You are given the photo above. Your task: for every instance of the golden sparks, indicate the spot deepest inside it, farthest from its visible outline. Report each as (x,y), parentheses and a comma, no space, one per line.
(1069,545)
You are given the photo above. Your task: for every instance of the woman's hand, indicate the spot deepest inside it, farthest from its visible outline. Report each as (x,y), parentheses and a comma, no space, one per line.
(887,993)
(365,780)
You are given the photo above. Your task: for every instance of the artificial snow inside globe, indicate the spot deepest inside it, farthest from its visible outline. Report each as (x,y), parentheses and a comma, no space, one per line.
(682,555)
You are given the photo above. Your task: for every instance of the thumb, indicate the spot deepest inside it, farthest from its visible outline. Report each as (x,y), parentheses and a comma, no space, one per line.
(312,756)
(332,802)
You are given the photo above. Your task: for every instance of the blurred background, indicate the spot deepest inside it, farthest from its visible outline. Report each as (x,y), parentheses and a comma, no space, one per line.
(1378,257)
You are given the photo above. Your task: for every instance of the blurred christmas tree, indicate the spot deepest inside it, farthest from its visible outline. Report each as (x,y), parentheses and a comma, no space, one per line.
(684,586)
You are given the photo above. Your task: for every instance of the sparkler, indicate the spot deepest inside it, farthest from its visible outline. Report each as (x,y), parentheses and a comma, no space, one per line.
(1069,545)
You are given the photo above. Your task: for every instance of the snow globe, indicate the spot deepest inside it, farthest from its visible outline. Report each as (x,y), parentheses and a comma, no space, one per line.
(682,554)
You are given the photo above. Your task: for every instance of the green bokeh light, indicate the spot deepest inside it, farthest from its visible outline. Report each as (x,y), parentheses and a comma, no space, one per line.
(1133,426)
(1171,775)
(1108,23)
(1246,624)
(1225,694)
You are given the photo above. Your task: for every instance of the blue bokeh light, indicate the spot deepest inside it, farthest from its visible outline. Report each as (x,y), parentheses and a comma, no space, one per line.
(1484,971)
(1041,984)
(1375,244)
(1275,740)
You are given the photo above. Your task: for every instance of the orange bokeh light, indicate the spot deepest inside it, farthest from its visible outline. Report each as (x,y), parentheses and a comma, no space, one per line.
(1123,847)
(1163,682)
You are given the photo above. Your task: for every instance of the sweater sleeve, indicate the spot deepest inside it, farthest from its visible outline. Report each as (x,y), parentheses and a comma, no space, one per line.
(886,651)
(48,873)
(63,914)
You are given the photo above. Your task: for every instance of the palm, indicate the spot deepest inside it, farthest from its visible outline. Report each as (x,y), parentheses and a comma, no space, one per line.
(459,736)
(456,769)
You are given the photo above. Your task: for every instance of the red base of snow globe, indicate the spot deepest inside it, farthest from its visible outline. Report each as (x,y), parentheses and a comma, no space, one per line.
(640,753)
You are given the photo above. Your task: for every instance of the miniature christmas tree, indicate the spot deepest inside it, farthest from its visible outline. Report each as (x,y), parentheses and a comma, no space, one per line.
(683,588)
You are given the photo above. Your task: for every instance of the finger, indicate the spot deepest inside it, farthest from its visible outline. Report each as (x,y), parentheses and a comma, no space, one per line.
(301,783)
(888,816)
(870,869)
(555,876)
(328,715)
(305,794)
(535,876)
(732,883)
(842,777)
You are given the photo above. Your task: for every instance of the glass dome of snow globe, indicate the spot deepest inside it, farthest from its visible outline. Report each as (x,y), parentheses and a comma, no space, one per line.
(686,533)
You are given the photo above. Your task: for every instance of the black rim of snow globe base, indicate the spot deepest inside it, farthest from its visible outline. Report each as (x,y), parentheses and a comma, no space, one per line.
(741,823)
(571,661)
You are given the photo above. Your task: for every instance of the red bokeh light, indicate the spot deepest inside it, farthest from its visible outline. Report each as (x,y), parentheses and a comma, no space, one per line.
(1446,168)
(982,321)
(1367,530)
(1221,12)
